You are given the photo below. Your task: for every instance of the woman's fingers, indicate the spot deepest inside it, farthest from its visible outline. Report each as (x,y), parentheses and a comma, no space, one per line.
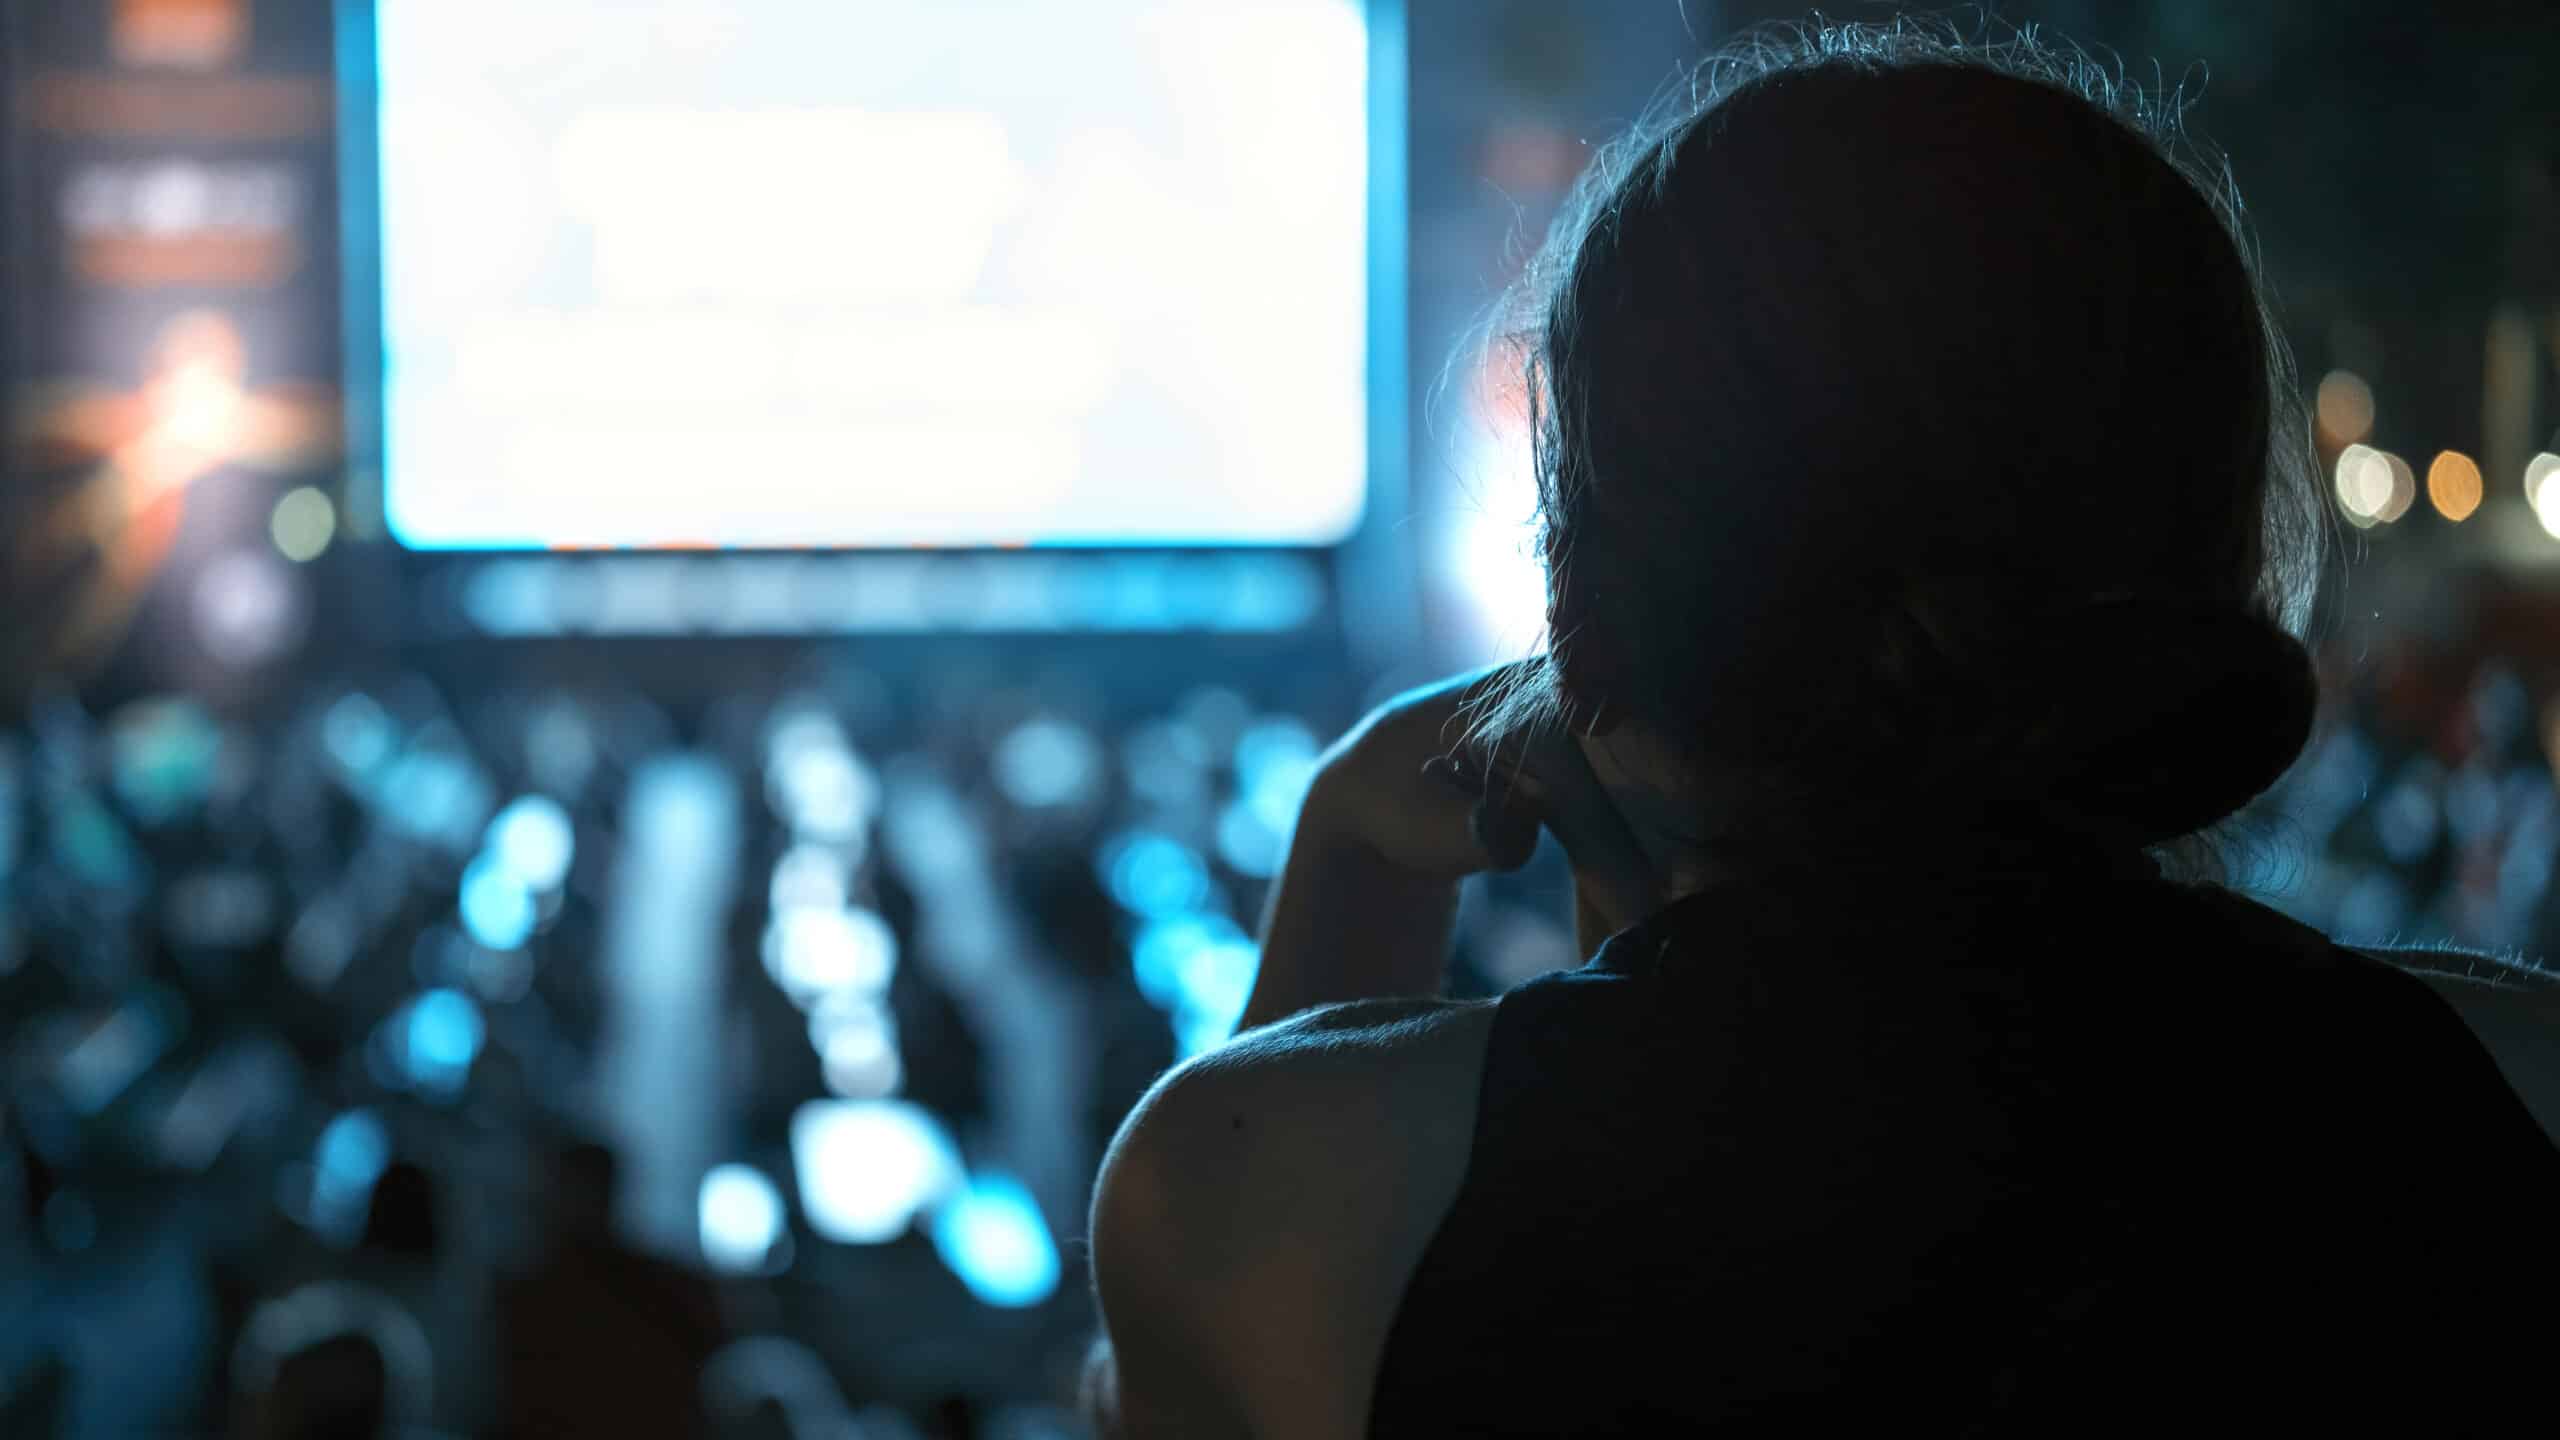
(1608,861)
(1548,782)
(1477,812)
(1506,819)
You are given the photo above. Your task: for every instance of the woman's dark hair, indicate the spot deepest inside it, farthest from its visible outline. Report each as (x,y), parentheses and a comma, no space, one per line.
(1911,431)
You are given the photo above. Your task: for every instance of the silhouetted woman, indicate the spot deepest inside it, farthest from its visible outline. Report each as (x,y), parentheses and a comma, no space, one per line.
(1929,523)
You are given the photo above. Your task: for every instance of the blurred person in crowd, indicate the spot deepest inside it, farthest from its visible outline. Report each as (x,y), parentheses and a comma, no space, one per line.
(329,1359)
(405,1254)
(333,1389)
(594,1337)
(1930,528)
(36,1400)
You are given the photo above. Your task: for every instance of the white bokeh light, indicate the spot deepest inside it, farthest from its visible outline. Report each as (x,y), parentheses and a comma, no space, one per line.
(868,1168)
(741,1217)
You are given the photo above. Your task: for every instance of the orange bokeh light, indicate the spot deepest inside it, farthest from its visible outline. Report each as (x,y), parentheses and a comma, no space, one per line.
(2453,485)
(2344,408)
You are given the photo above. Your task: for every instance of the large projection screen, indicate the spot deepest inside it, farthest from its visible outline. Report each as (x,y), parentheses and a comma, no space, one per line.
(792,274)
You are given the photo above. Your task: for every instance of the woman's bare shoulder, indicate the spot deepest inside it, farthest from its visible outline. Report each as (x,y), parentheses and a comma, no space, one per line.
(2512,1007)
(2473,967)
(1262,1208)
(1339,1081)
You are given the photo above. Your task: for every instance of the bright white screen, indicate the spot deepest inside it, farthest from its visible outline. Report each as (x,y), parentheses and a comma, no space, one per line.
(799,273)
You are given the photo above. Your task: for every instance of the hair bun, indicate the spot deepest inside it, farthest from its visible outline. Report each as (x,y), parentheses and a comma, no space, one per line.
(2163,723)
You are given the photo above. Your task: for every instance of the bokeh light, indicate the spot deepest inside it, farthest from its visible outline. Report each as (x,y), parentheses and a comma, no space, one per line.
(2344,406)
(1199,968)
(741,1219)
(1151,873)
(2363,483)
(992,1236)
(2453,485)
(303,523)
(861,1060)
(498,908)
(249,609)
(357,734)
(2404,488)
(868,1168)
(1275,763)
(810,951)
(1248,844)
(2538,470)
(443,1037)
(532,840)
(1048,764)
(811,876)
(353,1149)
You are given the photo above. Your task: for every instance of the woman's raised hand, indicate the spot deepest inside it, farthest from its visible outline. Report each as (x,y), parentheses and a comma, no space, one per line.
(1407,785)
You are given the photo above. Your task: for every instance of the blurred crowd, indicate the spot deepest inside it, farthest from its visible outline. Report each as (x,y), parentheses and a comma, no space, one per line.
(547,1063)
(2424,812)
(555,1063)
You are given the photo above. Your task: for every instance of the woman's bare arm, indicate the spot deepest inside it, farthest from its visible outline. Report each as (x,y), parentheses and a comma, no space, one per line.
(1260,1212)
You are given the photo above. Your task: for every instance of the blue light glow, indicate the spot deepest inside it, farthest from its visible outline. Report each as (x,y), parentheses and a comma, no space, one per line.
(1275,763)
(2409,817)
(992,1236)
(1161,958)
(810,952)
(11,825)
(868,1168)
(354,1147)
(822,791)
(810,877)
(741,1214)
(357,734)
(857,1042)
(435,796)
(1200,969)
(1197,1034)
(531,839)
(162,755)
(1247,844)
(496,907)
(1153,874)
(1216,982)
(1045,764)
(444,1035)
(115,1052)
(94,846)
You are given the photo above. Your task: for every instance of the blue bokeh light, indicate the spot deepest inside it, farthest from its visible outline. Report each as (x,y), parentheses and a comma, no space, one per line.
(435,796)
(357,734)
(497,908)
(1275,763)
(1048,764)
(992,1236)
(867,1168)
(741,1219)
(1153,874)
(810,952)
(1199,968)
(1247,844)
(442,1039)
(352,1151)
(532,840)
(1162,956)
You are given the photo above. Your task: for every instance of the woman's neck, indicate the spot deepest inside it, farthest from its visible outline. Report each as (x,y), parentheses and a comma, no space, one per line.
(1700,829)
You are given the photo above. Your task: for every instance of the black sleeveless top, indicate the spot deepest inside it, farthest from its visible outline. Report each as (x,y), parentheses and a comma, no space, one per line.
(2101,1155)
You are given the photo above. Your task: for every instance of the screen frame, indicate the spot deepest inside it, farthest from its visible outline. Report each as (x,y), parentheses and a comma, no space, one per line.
(1364,551)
